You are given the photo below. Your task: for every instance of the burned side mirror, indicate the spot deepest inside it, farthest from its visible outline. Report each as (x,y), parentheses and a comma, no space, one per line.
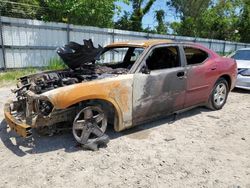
(145,70)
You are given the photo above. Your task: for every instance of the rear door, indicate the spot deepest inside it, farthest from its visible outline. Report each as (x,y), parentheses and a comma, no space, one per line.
(200,70)
(159,86)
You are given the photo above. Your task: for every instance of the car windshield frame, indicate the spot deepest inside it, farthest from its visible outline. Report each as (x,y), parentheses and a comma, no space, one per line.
(128,55)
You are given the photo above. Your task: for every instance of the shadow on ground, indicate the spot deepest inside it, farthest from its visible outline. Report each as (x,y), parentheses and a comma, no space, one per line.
(41,144)
(238,90)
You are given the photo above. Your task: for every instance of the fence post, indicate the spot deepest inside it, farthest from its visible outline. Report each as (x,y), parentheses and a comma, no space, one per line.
(113,40)
(224,48)
(2,42)
(68,30)
(236,45)
(210,43)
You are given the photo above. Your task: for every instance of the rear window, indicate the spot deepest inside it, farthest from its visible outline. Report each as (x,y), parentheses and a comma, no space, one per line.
(195,55)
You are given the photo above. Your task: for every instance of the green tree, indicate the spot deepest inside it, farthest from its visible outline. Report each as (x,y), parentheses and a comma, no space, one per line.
(82,12)
(189,12)
(215,19)
(20,8)
(124,23)
(139,12)
(133,20)
(220,21)
(244,22)
(161,27)
(189,8)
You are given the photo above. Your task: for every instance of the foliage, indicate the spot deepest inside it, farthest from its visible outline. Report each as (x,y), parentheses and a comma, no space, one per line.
(82,12)
(215,19)
(189,12)
(190,8)
(133,21)
(20,8)
(220,21)
(244,22)
(161,27)
(124,23)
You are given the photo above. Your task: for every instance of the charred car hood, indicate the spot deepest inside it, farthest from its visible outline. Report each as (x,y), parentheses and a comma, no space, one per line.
(75,55)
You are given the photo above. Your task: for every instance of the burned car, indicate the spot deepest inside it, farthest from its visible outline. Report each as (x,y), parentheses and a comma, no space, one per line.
(122,85)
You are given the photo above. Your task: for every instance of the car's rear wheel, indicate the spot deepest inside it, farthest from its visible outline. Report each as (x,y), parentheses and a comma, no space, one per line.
(218,95)
(89,124)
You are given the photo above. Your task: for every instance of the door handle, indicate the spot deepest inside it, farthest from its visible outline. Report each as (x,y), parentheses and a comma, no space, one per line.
(213,68)
(181,74)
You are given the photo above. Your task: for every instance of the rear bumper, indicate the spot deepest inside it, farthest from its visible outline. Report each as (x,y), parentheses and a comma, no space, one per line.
(18,126)
(243,82)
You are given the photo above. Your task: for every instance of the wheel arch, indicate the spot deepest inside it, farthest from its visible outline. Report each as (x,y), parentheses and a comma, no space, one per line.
(111,107)
(228,79)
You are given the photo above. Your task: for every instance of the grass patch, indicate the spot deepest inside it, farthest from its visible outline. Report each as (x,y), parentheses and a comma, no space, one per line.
(56,64)
(10,76)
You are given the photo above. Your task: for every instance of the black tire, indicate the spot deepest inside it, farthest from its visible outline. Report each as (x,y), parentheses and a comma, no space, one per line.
(219,94)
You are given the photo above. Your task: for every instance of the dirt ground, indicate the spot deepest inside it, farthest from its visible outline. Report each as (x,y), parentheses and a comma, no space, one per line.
(201,148)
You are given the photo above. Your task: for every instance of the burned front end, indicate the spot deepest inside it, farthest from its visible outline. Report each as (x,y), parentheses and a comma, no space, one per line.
(97,79)
(31,107)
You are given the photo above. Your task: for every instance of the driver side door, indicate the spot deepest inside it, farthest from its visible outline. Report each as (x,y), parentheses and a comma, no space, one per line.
(160,90)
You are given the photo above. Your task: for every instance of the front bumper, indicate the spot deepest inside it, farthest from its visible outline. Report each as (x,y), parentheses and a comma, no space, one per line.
(18,126)
(243,82)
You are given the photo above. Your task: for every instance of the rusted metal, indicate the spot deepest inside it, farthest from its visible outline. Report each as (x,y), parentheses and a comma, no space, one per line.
(21,128)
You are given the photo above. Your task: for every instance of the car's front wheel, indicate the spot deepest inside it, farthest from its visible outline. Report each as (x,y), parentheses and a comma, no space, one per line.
(219,94)
(89,125)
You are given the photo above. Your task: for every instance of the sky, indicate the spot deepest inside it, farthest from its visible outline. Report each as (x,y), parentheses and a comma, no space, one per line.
(149,18)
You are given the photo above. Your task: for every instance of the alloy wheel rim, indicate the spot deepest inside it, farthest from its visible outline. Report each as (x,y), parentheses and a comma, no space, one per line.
(220,94)
(89,124)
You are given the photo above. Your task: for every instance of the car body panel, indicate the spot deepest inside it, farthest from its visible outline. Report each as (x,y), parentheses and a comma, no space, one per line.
(243,82)
(157,93)
(116,90)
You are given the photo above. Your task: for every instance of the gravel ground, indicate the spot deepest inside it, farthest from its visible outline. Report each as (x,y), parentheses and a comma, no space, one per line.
(201,148)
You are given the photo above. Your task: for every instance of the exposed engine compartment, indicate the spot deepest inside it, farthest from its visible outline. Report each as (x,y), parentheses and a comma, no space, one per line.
(81,60)
(45,81)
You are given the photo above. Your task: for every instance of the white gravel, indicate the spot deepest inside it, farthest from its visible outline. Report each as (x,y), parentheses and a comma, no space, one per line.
(201,148)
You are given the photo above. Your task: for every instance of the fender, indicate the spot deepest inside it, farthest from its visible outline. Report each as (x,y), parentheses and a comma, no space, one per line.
(116,90)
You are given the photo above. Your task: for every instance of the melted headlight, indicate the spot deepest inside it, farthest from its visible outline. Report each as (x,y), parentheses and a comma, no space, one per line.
(45,107)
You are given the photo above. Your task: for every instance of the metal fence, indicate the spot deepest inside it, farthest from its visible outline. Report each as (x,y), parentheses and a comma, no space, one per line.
(32,43)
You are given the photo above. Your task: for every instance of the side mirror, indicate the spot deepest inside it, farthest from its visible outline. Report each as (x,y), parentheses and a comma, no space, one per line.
(145,70)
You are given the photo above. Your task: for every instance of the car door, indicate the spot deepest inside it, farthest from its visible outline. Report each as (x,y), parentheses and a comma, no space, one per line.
(200,70)
(159,84)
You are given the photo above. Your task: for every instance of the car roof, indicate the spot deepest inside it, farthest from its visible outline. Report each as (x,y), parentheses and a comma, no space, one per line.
(140,43)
